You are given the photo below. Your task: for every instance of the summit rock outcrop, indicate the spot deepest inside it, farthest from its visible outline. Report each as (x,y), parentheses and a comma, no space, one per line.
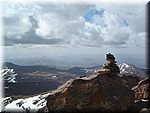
(94,93)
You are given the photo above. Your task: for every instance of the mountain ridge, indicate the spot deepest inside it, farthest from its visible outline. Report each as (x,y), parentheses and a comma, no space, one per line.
(130,69)
(84,88)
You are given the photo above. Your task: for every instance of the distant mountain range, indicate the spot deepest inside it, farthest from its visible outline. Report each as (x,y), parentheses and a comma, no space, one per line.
(22,69)
(28,80)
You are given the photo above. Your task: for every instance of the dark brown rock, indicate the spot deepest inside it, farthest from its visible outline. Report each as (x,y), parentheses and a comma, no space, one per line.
(142,90)
(102,93)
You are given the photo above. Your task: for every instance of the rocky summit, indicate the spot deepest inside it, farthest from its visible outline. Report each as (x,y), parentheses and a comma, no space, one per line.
(94,93)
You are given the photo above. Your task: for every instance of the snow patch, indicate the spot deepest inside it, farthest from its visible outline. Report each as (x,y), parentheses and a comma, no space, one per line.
(129,70)
(31,104)
(9,75)
(125,65)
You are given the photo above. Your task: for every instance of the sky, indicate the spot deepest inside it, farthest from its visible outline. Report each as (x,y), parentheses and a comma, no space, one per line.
(74,34)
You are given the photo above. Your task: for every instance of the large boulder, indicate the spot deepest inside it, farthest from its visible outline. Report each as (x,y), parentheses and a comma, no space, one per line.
(95,93)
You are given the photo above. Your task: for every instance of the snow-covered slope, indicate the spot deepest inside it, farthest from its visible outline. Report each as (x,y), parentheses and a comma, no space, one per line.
(126,68)
(131,69)
(9,75)
(23,105)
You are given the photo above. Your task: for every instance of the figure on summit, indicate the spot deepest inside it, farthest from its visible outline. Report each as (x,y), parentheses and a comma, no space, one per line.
(110,66)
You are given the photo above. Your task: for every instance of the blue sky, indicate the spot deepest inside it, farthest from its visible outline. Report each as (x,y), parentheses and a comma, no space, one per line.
(92,12)
(83,32)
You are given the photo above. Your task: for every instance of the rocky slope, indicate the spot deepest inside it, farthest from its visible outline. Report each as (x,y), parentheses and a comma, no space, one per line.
(101,93)
(92,93)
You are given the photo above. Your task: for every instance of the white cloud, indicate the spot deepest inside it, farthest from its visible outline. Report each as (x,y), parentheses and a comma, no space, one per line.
(134,14)
(118,26)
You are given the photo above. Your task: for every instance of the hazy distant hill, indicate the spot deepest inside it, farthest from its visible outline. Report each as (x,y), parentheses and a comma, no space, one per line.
(27,80)
(22,69)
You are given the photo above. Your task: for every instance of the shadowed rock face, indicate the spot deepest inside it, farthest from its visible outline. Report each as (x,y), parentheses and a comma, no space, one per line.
(102,93)
(142,89)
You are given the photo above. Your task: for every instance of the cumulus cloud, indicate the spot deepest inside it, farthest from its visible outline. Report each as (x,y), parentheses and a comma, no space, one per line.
(30,37)
(75,25)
